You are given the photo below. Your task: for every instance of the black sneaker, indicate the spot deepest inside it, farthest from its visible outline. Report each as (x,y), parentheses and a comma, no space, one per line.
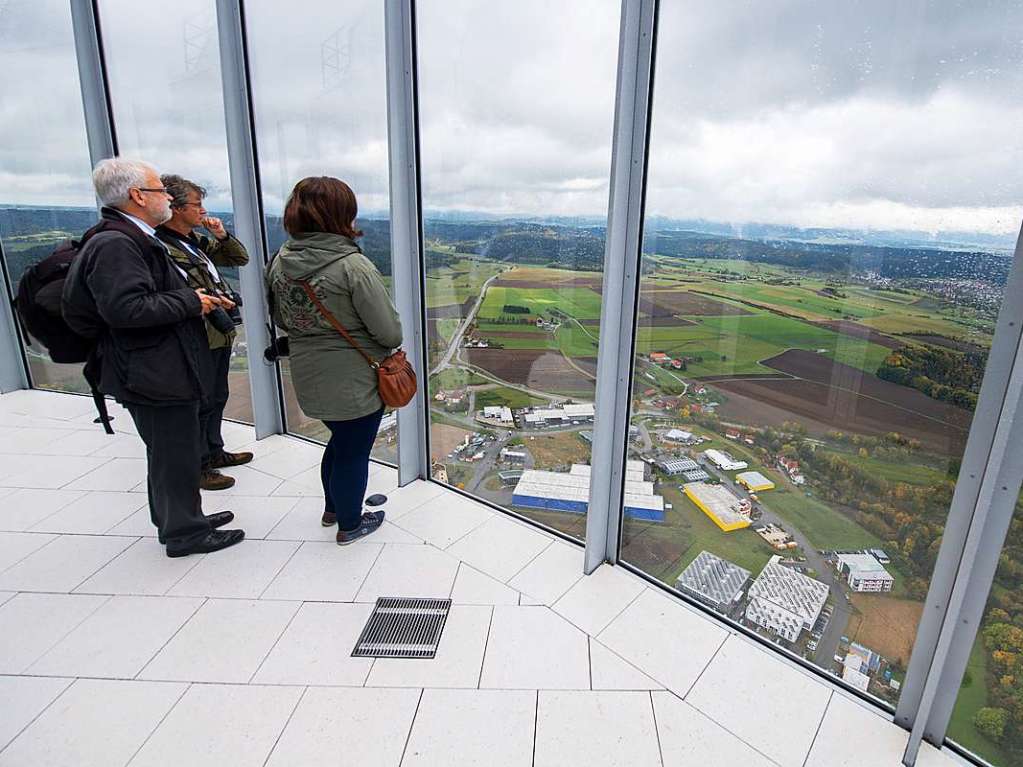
(371,521)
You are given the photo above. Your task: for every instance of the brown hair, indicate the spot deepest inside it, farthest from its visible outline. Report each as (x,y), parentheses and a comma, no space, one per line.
(321,204)
(179,188)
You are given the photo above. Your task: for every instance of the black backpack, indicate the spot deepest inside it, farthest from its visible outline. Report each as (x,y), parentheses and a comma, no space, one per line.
(38,306)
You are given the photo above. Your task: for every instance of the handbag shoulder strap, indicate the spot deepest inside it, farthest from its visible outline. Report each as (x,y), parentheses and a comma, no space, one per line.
(334,322)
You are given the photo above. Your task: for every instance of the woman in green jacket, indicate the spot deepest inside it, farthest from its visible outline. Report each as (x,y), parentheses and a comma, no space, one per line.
(333,381)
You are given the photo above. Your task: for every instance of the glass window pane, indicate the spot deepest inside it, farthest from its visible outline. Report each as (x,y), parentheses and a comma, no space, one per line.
(44,155)
(169,110)
(320,104)
(516,156)
(830,221)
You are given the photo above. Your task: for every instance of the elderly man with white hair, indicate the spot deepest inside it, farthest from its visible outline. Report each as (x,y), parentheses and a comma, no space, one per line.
(124,291)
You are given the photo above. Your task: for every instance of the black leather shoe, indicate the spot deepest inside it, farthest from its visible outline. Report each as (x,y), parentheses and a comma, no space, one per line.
(215,540)
(220,518)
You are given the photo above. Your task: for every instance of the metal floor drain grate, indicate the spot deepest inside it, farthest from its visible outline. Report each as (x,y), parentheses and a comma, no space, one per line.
(403,628)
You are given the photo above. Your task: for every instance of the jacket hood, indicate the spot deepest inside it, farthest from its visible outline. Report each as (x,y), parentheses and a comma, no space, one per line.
(303,256)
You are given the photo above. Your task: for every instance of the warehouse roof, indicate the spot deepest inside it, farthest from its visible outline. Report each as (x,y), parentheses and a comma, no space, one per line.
(713,578)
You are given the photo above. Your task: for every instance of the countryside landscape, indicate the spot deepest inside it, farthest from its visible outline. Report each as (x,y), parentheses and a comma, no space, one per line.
(843,370)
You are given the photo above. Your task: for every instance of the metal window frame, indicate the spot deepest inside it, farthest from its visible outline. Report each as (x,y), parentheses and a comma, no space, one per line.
(93,80)
(14,369)
(407,265)
(620,288)
(982,507)
(249,223)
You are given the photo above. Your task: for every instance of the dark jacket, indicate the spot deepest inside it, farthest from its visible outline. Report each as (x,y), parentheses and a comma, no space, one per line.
(227,252)
(125,292)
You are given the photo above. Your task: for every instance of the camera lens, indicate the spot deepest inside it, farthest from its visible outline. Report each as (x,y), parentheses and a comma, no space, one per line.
(221,320)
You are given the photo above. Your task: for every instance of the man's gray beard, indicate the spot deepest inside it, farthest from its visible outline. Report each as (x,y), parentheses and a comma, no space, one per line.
(167,215)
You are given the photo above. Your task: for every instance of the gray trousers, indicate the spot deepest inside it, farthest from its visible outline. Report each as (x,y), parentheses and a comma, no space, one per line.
(171,435)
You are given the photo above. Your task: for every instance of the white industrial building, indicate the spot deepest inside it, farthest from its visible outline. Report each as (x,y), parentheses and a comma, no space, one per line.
(696,475)
(713,581)
(724,461)
(559,415)
(570,491)
(677,435)
(498,413)
(785,602)
(673,466)
(865,573)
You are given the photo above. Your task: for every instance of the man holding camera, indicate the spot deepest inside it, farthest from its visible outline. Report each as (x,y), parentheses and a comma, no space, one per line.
(198,258)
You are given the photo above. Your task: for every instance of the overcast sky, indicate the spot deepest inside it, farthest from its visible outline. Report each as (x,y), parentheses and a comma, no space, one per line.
(838,113)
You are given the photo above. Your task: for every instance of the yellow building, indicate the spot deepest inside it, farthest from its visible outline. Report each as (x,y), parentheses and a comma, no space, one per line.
(717,502)
(754,481)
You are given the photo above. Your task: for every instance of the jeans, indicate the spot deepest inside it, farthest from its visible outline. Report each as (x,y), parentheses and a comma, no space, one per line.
(344,469)
(212,414)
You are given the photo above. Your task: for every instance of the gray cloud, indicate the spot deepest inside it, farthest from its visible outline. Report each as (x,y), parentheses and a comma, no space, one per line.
(862,114)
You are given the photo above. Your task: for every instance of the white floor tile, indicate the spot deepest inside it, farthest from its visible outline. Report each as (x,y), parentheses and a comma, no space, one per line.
(30,624)
(96,722)
(143,568)
(599,598)
(63,564)
(14,441)
(459,657)
(82,442)
(548,577)
(139,524)
(242,571)
(688,737)
(93,513)
(647,635)
(609,671)
(403,500)
(219,725)
(500,547)
(247,481)
(474,588)
(256,515)
(532,648)
(14,547)
(51,472)
(119,639)
(473,727)
(284,464)
(734,687)
(316,648)
(302,522)
(22,699)
(382,719)
(851,735)
(308,482)
(121,446)
(6,595)
(225,641)
(444,520)
(289,488)
(48,404)
(324,572)
(384,481)
(116,474)
(409,571)
(615,729)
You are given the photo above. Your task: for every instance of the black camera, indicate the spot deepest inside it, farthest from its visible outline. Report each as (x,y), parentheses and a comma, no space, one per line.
(279,347)
(223,319)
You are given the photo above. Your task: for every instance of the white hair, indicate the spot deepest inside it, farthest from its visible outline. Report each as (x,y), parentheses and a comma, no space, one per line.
(115,176)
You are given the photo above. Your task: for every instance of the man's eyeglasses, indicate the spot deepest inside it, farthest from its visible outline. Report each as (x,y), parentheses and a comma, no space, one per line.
(162,189)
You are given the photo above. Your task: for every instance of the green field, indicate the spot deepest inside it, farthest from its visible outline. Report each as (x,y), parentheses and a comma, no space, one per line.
(971,699)
(581,303)
(687,531)
(462,280)
(502,395)
(823,526)
(455,378)
(901,471)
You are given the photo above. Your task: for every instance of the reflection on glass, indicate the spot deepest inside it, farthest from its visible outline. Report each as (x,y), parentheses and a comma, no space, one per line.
(170,112)
(821,278)
(320,103)
(45,191)
(987,719)
(516,156)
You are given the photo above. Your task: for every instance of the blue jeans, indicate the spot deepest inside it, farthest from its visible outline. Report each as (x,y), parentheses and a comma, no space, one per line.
(345,467)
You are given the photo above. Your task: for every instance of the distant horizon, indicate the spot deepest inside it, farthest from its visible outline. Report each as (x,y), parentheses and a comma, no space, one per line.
(746,230)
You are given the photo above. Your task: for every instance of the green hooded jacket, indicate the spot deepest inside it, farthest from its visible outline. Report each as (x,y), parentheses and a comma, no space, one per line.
(332,380)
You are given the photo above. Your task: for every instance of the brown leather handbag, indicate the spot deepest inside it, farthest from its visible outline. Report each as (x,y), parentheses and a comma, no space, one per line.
(396,380)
